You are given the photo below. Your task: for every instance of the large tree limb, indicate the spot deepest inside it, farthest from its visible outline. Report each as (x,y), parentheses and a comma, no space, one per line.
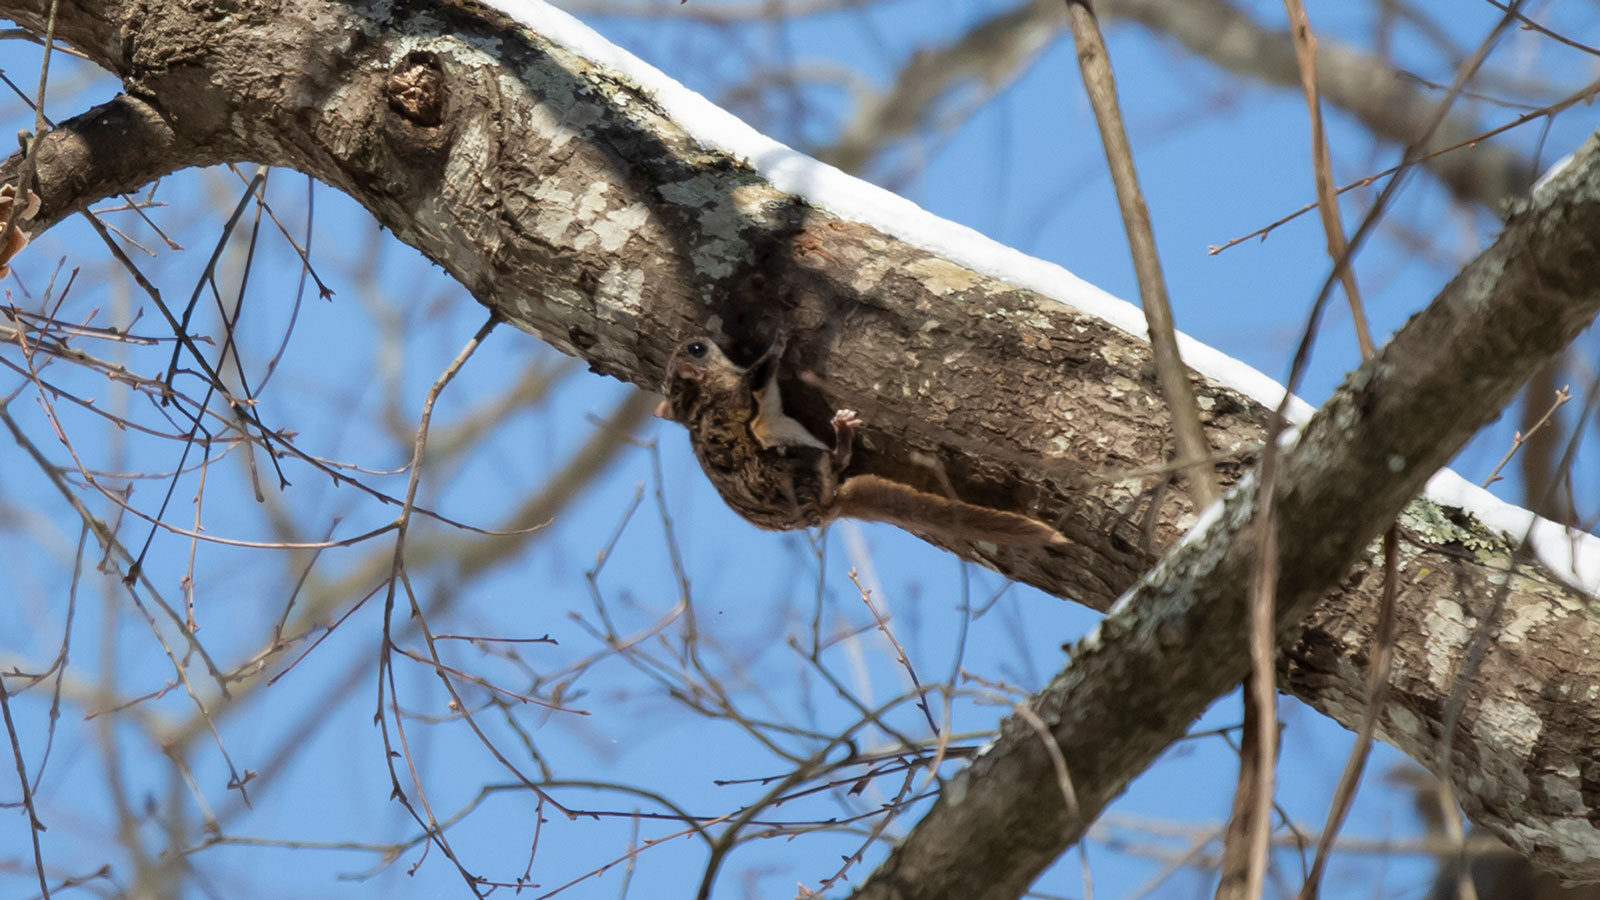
(567,199)
(1179,640)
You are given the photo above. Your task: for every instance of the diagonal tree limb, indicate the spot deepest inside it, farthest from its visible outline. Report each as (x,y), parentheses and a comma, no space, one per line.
(1178,640)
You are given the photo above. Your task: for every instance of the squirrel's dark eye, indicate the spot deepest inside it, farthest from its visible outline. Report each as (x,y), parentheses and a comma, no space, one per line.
(696,349)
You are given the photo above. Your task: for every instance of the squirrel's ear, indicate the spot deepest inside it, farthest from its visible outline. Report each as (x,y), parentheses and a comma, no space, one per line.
(690,372)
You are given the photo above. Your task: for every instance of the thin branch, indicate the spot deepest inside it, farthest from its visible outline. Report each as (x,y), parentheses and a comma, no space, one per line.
(1378,667)
(1095,64)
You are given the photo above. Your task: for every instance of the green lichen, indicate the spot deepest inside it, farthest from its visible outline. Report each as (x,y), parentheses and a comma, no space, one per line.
(1438,525)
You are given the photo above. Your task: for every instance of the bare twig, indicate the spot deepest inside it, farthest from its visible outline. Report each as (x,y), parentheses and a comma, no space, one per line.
(1583,95)
(1069,794)
(34,825)
(899,651)
(1305,51)
(1098,82)
(1563,395)
(397,577)
(1377,694)
(1513,11)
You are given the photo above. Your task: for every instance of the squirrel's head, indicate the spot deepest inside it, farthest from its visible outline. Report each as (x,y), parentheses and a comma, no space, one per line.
(696,368)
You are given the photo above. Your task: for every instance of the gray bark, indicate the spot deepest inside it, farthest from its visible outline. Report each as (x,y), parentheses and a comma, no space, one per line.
(1365,454)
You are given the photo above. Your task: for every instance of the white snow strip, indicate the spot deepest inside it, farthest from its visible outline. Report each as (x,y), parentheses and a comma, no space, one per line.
(1556,168)
(1572,556)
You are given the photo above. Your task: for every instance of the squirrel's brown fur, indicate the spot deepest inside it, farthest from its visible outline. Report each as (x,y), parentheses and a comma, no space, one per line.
(778,475)
(877,499)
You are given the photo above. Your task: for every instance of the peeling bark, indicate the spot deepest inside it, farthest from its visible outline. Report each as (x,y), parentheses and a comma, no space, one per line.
(564,198)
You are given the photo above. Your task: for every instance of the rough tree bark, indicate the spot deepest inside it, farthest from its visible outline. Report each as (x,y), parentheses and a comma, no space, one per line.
(565,199)
(1367,451)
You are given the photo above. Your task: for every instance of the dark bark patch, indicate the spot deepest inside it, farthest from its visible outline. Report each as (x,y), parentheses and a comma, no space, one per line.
(416,89)
(1589,784)
(419,130)
(580,338)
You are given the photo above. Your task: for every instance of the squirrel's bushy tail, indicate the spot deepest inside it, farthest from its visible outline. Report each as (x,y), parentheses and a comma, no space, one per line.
(878,499)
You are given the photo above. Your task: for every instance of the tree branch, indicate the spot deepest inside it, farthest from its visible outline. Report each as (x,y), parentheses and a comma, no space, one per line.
(115,148)
(1179,640)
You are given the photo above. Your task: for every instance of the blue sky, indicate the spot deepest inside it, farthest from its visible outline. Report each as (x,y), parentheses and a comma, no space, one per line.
(1218,158)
